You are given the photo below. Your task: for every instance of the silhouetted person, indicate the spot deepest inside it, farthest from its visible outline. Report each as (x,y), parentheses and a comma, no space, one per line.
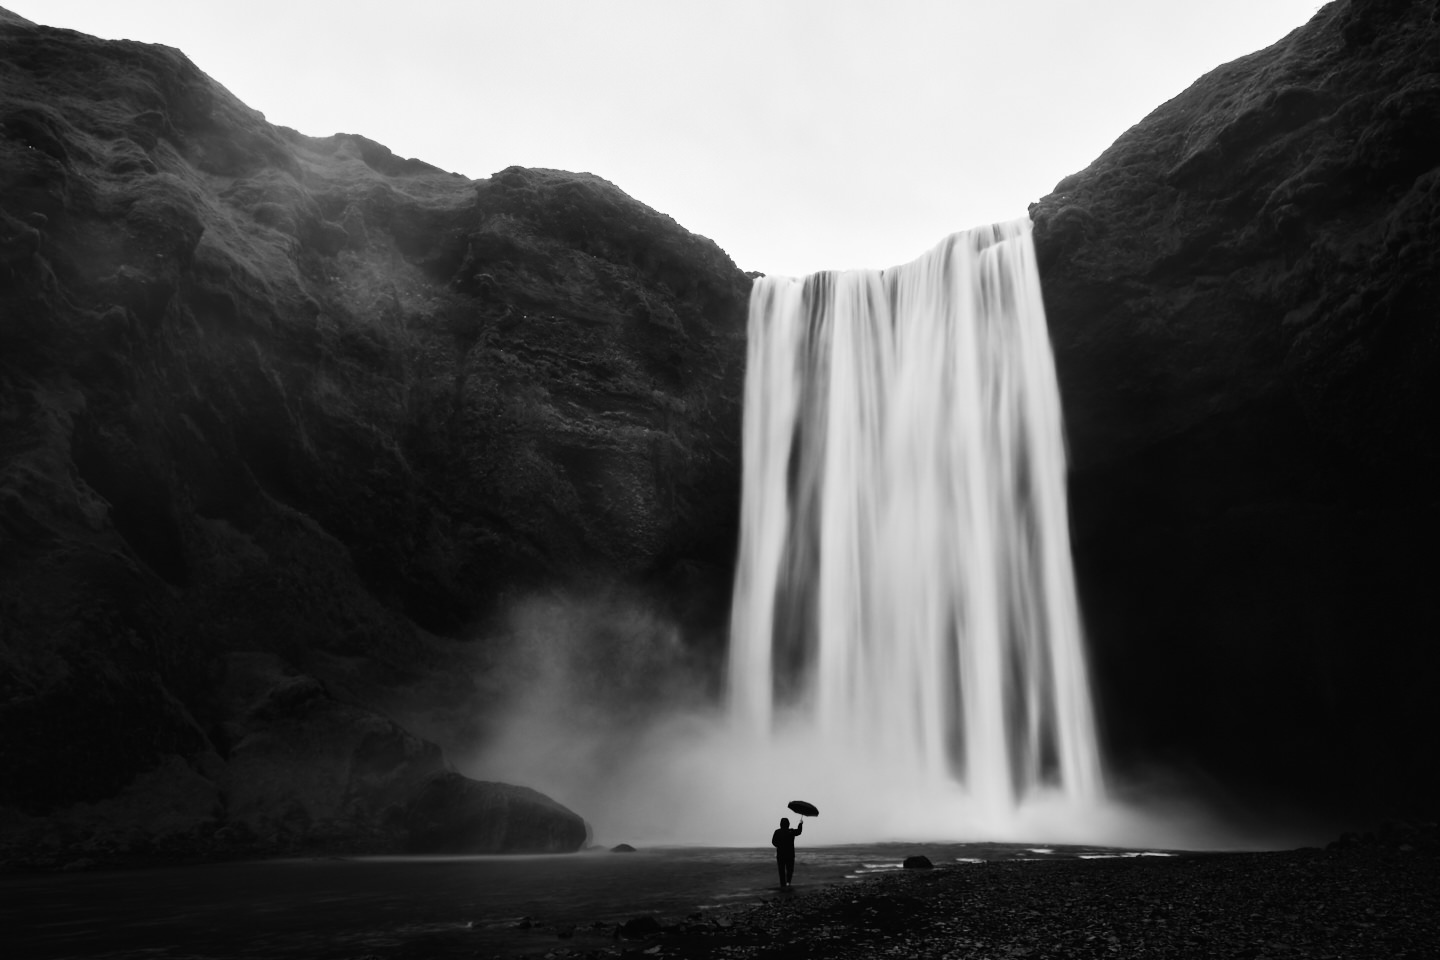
(783,840)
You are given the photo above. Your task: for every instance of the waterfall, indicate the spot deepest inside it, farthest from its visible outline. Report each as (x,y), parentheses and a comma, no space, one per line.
(904,597)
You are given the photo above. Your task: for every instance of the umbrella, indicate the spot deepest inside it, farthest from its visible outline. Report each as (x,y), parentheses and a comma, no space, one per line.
(803,808)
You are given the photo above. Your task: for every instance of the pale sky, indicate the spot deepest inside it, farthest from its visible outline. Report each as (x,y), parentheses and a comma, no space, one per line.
(799,135)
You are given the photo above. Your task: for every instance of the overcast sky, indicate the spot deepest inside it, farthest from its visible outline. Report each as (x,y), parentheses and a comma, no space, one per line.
(798,135)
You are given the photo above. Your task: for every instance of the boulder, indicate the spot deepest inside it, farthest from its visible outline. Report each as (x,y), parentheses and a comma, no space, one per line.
(637,928)
(306,771)
(454,814)
(917,862)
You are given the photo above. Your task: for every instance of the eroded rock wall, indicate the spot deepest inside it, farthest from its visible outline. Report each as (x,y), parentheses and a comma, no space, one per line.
(1243,299)
(267,393)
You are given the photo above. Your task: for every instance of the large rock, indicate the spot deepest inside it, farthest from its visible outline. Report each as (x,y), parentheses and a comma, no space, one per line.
(305,771)
(1242,299)
(453,814)
(264,392)
(298,771)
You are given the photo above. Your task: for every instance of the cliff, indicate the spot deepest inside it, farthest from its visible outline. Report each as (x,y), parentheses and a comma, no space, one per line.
(281,410)
(1242,294)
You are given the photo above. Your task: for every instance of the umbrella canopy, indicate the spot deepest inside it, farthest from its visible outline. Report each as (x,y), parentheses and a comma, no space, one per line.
(803,808)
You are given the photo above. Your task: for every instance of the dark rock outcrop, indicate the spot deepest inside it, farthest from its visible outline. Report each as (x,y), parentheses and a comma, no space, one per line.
(1242,294)
(268,393)
(301,772)
(306,771)
(452,814)
(638,928)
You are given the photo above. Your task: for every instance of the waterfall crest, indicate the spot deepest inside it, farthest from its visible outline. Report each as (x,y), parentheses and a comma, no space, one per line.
(904,595)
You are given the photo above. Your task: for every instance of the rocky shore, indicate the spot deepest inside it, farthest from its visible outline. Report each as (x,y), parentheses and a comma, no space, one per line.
(1357,898)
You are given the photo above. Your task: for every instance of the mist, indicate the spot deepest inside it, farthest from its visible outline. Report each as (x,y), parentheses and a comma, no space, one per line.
(614,713)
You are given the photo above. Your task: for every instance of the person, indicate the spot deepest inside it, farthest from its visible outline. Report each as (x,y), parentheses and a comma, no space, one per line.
(783,840)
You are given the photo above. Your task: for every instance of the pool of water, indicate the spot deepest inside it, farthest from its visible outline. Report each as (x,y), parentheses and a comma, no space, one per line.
(431,906)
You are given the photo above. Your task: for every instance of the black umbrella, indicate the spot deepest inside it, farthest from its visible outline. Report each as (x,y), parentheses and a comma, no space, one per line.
(803,808)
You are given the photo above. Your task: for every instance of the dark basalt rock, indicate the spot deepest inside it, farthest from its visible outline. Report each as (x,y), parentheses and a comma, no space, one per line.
(917,862)
(453,814)
(1242,296)
(638,928)
(299,772)
(255,397)
(305,771)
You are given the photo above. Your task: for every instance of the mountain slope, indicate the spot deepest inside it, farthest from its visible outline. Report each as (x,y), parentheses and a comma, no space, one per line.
(1242,295)
(271,394)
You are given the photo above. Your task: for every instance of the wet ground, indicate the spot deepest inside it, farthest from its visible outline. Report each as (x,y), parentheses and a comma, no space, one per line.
(435,907)
(1378,901)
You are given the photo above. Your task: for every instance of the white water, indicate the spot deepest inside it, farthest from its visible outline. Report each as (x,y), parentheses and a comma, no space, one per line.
(905,604)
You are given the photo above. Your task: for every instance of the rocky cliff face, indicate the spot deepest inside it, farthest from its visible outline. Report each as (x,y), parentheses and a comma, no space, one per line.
(263,394)
(1242,293)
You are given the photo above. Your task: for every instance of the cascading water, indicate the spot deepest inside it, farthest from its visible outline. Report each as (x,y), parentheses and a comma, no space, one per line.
(905,644)
(905,599)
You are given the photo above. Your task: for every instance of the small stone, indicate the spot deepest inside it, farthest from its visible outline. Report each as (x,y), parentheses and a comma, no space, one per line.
(638,927)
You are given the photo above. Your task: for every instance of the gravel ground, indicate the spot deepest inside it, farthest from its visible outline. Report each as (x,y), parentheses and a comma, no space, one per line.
(1351,900)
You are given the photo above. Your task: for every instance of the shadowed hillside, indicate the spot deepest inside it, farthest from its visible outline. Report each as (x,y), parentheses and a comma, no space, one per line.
(1242,294)
(276,408)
